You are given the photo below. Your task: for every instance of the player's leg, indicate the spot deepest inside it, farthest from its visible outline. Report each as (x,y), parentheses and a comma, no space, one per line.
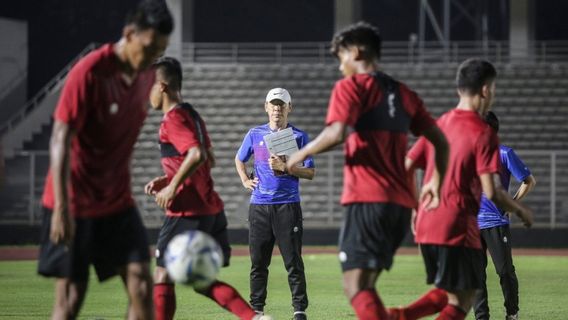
(499,245)
(138,282)
(369,237)
(459,303)
(164,295)
(229,298)
(222,293)
(359,288)
(434,300)
(458,273)
(69,297)
(480,304)
(121,247)
(261,244)
(288,228)
(69,265)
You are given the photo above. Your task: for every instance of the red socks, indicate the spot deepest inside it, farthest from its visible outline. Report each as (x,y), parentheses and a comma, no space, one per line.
(164,301)
(451,312)
(368,305)
(228,298)
(430,303)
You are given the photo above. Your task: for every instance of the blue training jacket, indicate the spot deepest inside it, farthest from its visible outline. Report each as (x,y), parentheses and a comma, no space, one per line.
(489,215)
(271,189)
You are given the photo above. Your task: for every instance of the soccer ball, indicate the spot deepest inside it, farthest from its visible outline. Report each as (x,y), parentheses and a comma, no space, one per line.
(193,258)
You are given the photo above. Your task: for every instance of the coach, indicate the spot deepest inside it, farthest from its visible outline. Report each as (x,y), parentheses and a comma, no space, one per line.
(275,213)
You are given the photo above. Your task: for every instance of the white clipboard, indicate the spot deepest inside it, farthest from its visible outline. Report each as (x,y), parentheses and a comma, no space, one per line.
(281,143)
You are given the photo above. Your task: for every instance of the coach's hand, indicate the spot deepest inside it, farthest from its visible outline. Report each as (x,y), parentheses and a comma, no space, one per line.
(166,196)
(156,185)
(62,227)
(277,163)
(250,184)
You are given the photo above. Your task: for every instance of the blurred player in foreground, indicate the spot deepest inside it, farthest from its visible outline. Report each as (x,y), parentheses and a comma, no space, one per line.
(373,114)
(89,213)
(495,233)
(448,235)
(186,191)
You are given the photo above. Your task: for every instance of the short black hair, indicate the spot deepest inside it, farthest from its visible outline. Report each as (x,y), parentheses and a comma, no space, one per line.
(492,120)
(170,68)
(151,14)
(361,34)
(473,74)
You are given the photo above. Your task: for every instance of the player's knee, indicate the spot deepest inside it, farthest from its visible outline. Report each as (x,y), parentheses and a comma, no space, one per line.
(161,276)
(350,288)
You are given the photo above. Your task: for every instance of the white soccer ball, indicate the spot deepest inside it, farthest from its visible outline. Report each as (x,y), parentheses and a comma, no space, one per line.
(193,258)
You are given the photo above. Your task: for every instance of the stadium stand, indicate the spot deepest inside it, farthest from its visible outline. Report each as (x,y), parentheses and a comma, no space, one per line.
(532,102)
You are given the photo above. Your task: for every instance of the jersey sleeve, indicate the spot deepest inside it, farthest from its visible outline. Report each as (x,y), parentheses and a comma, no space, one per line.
(304,140)
(181,131)
(421,119)
(345,104)
(418,153)
(516,166)
(245,151)
(487,156)
(72,107)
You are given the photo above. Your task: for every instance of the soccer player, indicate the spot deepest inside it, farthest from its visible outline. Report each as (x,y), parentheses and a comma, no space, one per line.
(186,190)
(275,213)
(373,114)
(495,234)
(448,235)
(89,213)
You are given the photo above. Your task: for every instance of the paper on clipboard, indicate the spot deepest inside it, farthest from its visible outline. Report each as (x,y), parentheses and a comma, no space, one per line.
(281,142)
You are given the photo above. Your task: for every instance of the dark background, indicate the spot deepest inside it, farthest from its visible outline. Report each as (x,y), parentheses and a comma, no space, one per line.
(59,29)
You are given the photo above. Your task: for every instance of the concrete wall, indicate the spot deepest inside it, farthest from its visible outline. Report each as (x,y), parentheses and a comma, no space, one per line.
(13,65)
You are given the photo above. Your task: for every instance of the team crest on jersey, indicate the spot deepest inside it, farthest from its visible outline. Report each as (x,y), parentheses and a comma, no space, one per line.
(113,109)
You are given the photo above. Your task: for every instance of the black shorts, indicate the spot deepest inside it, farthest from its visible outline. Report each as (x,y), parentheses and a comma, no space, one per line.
(215,226)
(108,243)
(370,235)
(453,268)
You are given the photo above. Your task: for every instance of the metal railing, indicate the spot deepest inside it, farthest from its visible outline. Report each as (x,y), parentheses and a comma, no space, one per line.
(392,52)
(7,126)
(549,200)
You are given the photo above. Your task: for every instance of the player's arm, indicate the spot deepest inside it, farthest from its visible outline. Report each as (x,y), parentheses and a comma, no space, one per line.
(247,182)
(491,186)
(441,151)
(211,157)
(62,226)
(195,157)
(410,166)
(302,172)
(331,136)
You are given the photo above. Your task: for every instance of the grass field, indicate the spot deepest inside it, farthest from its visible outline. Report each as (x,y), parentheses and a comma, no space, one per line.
(543,286)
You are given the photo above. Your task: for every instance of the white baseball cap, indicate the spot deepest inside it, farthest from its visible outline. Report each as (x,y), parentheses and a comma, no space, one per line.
(280,94)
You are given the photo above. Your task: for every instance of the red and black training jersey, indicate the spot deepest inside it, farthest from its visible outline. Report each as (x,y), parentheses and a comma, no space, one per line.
(474,150)
(182,129)
(106,115)
(381,111)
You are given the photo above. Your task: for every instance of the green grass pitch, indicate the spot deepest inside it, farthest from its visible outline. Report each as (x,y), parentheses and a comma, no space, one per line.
(543,290)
